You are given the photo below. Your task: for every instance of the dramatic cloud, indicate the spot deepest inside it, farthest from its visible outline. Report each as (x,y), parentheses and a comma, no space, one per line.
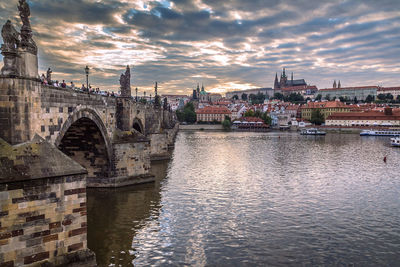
(229,44)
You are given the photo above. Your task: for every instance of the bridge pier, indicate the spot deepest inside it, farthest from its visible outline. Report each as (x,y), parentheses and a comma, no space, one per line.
(43,198)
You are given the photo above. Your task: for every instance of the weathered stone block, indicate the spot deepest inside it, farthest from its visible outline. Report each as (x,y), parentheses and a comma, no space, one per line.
(37,257)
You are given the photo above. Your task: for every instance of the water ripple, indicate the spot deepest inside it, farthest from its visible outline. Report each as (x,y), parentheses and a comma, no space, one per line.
(240,199)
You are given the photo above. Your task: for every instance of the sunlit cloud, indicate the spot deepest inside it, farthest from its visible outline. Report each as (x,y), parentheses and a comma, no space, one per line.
(227,45)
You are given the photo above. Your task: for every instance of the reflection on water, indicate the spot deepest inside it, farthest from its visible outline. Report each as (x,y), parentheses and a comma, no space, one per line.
(256,199)
(115,216)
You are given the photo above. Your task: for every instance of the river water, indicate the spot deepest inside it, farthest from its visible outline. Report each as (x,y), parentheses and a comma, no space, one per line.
(239,199)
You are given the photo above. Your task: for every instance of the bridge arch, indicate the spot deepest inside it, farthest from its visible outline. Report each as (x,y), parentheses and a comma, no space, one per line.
(138,125)
(84,138)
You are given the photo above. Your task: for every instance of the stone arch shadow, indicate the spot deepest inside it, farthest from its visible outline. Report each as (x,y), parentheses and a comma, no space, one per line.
(87,118)
(138,125)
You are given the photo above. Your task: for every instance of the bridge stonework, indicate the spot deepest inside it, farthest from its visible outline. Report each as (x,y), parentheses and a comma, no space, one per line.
(114,138)
(55,142)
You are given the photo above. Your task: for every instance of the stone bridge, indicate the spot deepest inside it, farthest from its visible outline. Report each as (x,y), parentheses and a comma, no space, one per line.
(45,131)
(114,138)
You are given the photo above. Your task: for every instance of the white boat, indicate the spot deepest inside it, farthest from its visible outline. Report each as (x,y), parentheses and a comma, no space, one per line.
(312,131)
(380,133)
(395,141)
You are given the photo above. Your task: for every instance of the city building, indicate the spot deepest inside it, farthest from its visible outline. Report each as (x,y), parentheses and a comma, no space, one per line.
(285,82)
(265,91)
(238,111)
(250,124)
(294,110)
(386,117)
(214,97)
(196,93)
(327,108)
(204,96)
(213,113)
(360,92)
(304,90)
(279,116)
(394,91)
(176,101)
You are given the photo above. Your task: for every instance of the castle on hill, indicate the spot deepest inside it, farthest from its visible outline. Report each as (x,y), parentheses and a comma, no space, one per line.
(287,86)
(284,82)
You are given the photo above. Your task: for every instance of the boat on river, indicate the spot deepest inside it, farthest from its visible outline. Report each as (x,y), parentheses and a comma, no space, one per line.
(395,141)
(380,133)
(312,131)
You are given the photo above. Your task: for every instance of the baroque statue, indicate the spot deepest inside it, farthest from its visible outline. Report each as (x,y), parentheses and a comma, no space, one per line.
(10,37)
(125,82)
(48,76)
(18,48)
(9,48)
(24,12)
(165,104)
(26,32)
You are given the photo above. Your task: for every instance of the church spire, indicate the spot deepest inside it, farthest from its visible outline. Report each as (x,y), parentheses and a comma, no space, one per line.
(292,79)
(334,84)
(276,83)
(339,85)
(202,87)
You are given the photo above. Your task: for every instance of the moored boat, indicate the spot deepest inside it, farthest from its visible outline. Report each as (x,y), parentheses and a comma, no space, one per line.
(395,141)
(380,133)
(312,131)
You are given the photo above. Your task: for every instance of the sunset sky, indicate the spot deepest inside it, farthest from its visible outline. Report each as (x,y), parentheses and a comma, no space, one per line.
(229,44)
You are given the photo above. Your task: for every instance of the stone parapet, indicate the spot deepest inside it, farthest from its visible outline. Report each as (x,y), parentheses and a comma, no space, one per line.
(43,217)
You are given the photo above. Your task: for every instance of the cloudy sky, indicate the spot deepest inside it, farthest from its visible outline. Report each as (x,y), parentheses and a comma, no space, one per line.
(225,44)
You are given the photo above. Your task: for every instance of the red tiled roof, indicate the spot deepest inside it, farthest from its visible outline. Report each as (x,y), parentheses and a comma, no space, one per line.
(389,89)
(335,104)
(368,115)
(213,110)
(313,105)
(293,107)
(328,104)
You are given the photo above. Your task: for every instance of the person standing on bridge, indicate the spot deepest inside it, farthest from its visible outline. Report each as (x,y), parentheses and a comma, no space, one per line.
(43,79)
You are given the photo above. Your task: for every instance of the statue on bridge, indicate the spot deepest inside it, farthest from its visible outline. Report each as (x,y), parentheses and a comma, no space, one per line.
(19,49)
(26,31)
(9,48)
(165,104)
(48,76)
(10,37)
(125,82)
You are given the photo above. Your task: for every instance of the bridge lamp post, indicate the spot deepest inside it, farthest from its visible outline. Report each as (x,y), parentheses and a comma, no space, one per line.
(87,77)
(136,94)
